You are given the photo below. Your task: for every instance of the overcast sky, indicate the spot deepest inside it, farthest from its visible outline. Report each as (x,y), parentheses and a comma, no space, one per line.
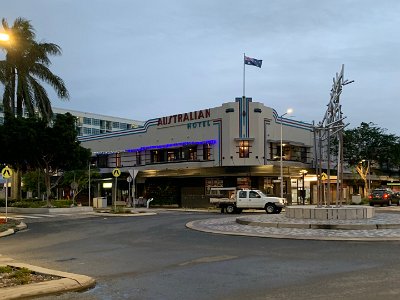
(147,59)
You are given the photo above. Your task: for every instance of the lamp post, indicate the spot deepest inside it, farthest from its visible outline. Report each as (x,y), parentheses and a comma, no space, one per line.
(289,111)
(89,181)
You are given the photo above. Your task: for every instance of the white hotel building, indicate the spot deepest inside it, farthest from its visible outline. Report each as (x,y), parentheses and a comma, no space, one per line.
(180,157)
(90,123)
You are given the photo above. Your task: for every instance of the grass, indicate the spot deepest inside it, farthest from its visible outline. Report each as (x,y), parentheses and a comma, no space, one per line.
(37,203)
(12,276)
(16,275)
(11,224)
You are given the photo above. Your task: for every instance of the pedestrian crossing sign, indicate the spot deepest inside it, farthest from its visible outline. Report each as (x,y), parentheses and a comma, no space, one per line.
(6,172)
(116,172)
(324,176)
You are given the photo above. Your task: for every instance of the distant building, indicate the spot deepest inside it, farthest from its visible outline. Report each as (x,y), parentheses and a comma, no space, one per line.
(91,123)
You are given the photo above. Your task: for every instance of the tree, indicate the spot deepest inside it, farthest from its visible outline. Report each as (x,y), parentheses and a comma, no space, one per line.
(26,65)
(30,144)
(59,149)
(34,182)
(81,179)
(371,143)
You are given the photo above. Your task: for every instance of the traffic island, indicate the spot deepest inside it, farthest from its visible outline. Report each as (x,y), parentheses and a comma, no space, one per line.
(63,282)
(381,227)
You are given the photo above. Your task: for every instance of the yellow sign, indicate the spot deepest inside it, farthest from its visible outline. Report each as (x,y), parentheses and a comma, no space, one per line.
(116,172)
(324,176)
(6,172)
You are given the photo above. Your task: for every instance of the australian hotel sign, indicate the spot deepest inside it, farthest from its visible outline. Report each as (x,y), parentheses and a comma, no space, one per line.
(197,116)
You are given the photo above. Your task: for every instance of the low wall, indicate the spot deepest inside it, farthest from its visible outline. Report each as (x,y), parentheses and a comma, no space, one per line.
(330,213)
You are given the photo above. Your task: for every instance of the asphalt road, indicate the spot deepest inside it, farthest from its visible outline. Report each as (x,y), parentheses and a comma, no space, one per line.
(156,257)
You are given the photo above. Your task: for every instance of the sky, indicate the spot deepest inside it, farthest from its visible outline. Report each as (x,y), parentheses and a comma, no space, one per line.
(141,60)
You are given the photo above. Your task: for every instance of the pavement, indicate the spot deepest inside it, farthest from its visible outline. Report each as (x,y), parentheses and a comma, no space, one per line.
(384,226)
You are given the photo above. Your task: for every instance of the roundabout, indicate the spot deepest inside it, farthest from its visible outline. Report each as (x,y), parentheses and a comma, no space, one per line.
(380,227)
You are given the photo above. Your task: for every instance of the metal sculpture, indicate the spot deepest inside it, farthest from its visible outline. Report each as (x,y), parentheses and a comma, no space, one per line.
(328,130)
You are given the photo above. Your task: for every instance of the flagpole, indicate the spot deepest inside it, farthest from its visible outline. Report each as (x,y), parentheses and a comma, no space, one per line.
(244,76)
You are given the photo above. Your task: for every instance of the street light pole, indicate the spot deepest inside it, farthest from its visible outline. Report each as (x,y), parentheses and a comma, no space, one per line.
(89,181)
(289,111)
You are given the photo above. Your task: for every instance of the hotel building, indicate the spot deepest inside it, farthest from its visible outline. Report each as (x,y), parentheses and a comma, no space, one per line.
(180,157)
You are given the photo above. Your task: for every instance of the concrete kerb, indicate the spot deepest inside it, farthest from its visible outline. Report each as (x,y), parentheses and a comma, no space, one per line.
(384,228)
(20,226)
(69,282)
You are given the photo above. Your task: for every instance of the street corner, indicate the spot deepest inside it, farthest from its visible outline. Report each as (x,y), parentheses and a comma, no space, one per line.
(68,282)
(10,231)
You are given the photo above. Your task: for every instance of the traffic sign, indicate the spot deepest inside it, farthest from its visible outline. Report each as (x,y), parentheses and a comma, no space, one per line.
(116,172)
(129,179)
(324,176)
(6,172)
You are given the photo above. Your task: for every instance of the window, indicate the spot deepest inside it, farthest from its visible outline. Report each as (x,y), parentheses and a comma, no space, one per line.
(87,121)
(242,194)
(244,149)
(253,194)
(206,152)
(115,125)
(87,130)
(154,156)
(171,155)
(138,158)
(96,122)
(102,161)
(95,131)
(193,153)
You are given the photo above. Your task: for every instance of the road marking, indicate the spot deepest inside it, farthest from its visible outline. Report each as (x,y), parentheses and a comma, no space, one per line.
(27,217)
(208,259)
(46,216)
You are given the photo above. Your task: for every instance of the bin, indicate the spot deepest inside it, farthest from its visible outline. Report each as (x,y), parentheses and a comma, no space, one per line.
(100,202)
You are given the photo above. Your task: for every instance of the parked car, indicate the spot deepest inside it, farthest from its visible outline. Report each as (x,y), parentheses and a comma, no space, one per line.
(383,197)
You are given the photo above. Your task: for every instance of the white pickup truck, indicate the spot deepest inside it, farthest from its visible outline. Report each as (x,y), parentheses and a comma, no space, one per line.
(234,201)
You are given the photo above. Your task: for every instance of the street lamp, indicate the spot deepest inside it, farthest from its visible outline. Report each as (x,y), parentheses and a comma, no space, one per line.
(4,37)
(288,111)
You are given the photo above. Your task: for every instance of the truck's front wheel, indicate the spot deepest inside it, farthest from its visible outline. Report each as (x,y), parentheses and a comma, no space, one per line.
(230,209)
(270,208)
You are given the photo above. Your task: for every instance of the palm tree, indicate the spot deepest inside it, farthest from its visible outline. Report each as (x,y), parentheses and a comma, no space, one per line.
(25,67)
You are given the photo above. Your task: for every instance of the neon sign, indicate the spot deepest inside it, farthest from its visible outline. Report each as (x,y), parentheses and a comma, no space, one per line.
(180,144)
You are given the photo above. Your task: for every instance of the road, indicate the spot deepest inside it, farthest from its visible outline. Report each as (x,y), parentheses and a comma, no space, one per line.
(156,257)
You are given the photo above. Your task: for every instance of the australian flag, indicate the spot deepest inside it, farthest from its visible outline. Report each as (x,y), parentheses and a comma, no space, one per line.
(252,61)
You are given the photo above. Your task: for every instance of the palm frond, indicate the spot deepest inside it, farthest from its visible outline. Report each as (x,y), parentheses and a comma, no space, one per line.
(47,76)
(42,100)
